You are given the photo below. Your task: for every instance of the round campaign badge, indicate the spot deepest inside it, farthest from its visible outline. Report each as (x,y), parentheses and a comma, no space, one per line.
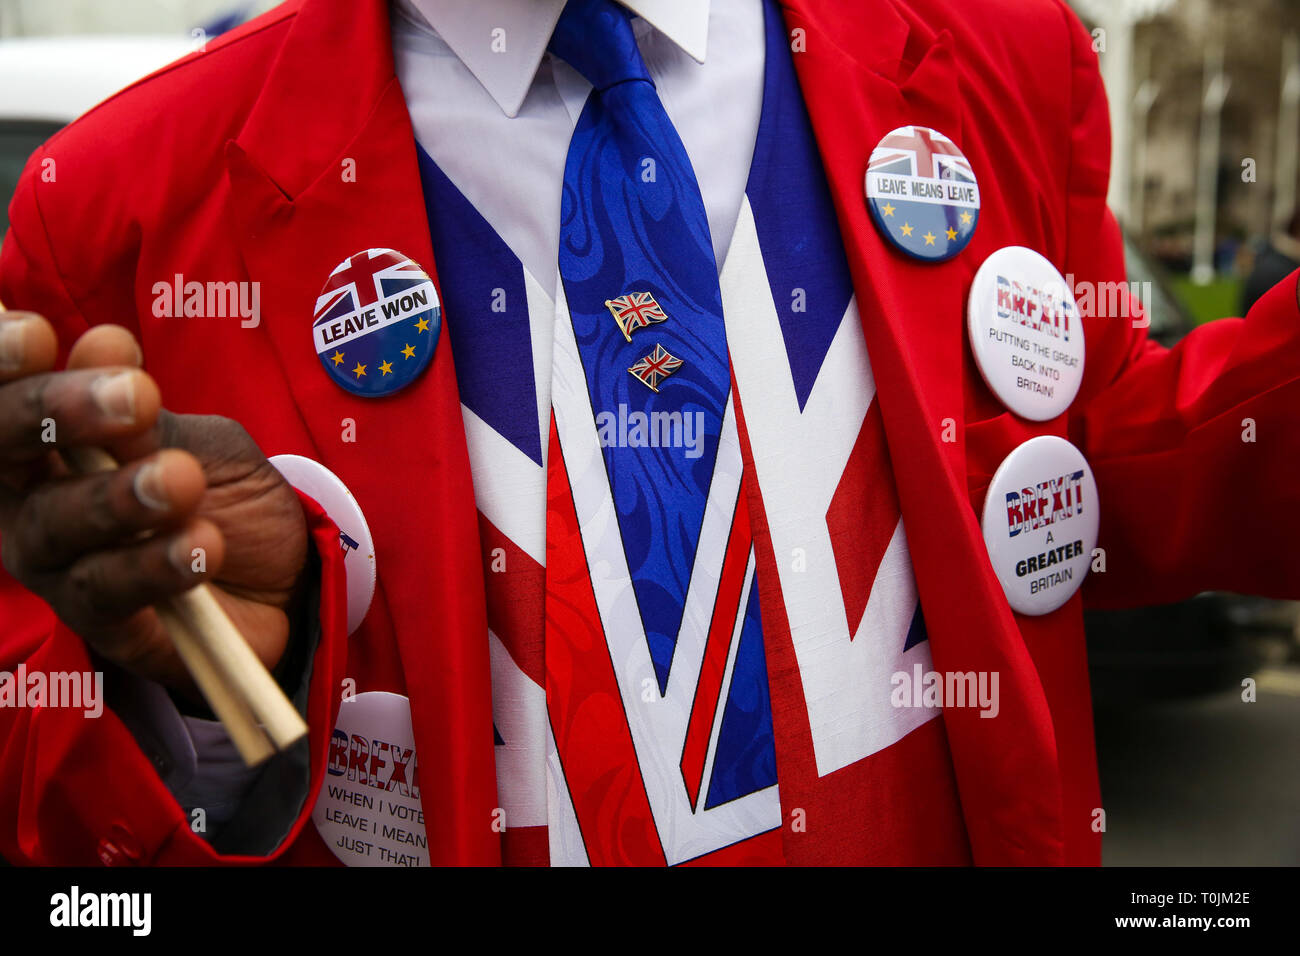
(1025,332)
(324,487)
(1040,523)
(368,812)
(376,323)
(922,193)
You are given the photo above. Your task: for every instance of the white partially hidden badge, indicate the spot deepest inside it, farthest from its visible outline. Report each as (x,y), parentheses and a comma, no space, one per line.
(1040,523)
(1025,332)
(368,812)
(327,490)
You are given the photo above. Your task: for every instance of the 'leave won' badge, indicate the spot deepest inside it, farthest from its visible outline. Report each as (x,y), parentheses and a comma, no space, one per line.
(376,323)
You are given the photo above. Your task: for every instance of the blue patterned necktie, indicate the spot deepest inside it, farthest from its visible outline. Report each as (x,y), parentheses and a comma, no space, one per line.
(641,283)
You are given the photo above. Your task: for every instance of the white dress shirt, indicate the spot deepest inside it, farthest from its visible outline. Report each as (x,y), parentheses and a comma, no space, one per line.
(498,121)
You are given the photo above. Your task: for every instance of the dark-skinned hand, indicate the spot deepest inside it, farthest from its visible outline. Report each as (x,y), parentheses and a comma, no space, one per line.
(194,500)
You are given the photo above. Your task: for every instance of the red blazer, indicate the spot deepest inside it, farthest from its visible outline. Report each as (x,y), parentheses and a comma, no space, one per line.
(227,166)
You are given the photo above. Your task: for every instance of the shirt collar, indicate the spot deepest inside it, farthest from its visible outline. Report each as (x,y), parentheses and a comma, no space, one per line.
(502,42)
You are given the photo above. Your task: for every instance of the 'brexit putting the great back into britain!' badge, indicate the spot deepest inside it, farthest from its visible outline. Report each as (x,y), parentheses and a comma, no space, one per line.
(922,193)
(377,322)
(1025,333)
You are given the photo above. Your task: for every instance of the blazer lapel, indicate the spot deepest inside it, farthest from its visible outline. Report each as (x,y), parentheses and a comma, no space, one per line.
(325,167)
(902,73)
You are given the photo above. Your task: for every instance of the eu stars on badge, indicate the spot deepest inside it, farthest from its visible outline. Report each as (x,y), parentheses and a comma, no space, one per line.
(1040,523)
(376,322)
(922,193)
(1025,332)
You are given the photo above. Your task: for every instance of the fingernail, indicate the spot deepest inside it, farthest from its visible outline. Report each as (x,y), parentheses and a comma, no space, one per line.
(11,345)
(115,396)
(179,554)
(149,487)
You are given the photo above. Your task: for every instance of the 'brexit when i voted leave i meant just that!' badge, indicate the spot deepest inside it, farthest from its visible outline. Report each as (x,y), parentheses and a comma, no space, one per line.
(368,811)
(376,323)
(922,193)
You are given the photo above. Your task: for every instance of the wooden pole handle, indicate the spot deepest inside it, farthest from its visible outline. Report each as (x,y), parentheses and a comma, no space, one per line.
(239,665)
(248,737)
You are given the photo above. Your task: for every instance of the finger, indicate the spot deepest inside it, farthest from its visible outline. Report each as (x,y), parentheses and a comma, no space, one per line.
(61,521)
(226,450)
(91,407)
(105,345)
(145,443)
(28,345)
(108,586)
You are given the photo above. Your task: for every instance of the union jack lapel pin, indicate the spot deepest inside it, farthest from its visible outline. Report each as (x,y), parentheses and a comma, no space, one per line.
(635,310)
(655,367)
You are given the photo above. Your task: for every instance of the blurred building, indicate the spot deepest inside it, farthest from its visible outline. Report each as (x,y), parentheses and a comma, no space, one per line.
(1174,52)
(1155,55)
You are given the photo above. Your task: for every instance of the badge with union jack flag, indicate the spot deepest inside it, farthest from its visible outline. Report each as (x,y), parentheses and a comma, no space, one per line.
(656,367)
(922,193)
(635,310)
(376,322)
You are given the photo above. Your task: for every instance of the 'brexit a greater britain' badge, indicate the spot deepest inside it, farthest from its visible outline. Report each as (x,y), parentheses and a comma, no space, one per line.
(377,322)
(1040,523)
(922,193)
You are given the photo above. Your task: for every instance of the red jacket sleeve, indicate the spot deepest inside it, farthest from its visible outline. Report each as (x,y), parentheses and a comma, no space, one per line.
(76,789)
(1193,447)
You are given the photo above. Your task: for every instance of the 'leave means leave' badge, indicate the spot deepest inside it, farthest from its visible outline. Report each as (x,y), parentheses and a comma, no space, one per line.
(922,193)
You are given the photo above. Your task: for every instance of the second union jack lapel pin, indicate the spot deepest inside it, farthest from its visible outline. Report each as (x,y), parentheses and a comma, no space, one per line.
(635,310)
(655,367)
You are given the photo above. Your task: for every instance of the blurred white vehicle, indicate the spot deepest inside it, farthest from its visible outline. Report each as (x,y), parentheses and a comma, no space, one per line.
(46,82)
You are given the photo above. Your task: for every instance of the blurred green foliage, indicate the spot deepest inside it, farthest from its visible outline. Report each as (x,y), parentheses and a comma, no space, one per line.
(1219,298)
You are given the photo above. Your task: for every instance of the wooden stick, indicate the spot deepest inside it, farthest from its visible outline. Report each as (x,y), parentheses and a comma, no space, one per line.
(248,737)
(223,646)
(223,697)
(240,666)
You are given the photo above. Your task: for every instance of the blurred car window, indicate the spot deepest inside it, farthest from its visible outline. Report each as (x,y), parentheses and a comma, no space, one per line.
(1169,320)
(47,82)
(18,140)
